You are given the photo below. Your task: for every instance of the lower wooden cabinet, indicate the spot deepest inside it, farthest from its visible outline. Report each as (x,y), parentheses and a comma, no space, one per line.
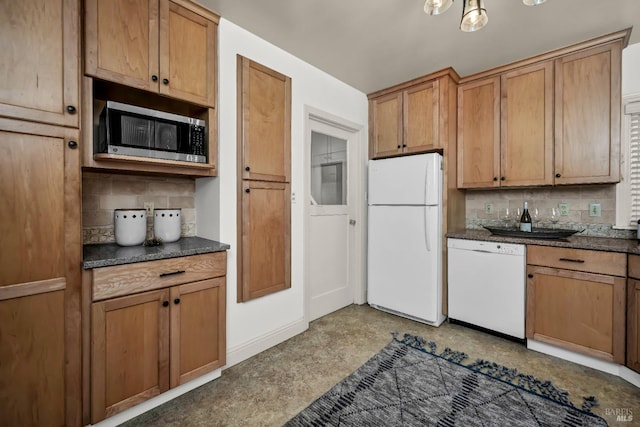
(633,313)
(576,300)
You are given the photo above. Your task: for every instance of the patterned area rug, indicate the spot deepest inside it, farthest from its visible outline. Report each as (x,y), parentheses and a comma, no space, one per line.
(409,384)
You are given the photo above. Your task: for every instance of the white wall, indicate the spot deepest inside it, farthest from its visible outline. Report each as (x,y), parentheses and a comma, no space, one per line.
(631,69)
(256,325)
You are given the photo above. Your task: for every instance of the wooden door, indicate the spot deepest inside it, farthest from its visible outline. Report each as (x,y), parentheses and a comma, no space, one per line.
(265,233)
(121,42)
(198,325)
(479,134)
(39,270)
(129,351)
(587,116)
(582,312)
(386,125)
(264,121)
(526,141)
(633,324)
(421,117)
(40,58)
(187,54)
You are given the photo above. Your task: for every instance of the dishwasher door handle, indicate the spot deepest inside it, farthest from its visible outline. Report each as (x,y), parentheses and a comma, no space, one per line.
(484,251)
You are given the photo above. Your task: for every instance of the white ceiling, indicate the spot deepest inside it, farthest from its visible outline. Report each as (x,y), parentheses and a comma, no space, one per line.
(373,44)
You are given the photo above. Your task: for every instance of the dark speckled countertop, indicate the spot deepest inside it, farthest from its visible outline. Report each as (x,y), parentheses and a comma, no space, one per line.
(577,242)
(106,254)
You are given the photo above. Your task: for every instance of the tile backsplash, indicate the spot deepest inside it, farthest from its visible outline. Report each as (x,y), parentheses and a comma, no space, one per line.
(578,199)
(103,192)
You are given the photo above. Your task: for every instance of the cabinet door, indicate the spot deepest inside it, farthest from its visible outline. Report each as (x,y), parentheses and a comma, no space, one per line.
(40,58)
(198,325)
(582,312)
(633,324)
(121,42)
(187,54)
(386,125)
(265,262)
(587,116)
(41,254)
(526,142)
(479,134)
(420,116)
(264,120)
(129,353)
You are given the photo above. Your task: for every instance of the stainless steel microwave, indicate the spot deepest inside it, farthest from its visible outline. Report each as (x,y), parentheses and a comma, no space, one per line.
(136,131)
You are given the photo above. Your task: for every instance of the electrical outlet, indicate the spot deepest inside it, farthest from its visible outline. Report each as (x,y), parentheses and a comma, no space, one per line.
(148,206)
(564,209)
(595,209)
(488,208)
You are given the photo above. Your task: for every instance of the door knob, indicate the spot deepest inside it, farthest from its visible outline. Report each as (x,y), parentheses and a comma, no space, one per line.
(72,144)
(352,222)
(71,109)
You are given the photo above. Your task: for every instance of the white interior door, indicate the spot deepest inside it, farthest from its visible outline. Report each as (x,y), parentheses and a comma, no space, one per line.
(333,261)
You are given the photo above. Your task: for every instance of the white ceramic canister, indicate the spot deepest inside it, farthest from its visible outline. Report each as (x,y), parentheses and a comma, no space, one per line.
(130,226)
(166,224)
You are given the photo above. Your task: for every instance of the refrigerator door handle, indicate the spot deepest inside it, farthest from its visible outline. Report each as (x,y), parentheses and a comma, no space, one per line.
(426,229)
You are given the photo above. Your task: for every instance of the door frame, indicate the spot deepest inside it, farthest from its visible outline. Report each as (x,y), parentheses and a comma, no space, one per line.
(311,115)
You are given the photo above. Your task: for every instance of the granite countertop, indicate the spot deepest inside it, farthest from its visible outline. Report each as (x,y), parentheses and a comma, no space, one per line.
(107,254)
(576,242)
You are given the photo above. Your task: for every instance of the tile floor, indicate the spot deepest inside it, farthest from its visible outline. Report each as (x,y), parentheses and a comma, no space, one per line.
(271,387)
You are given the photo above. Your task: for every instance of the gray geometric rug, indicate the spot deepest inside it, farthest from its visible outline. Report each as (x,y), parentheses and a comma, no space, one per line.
(409,384)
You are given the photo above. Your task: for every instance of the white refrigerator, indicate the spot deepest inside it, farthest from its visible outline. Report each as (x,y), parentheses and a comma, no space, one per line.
(404,271)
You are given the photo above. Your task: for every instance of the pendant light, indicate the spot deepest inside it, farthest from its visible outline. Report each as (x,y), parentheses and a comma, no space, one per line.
(533,2)
(436,7)
(474,15)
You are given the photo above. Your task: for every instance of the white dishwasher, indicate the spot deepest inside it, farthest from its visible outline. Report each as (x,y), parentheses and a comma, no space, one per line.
(486,285)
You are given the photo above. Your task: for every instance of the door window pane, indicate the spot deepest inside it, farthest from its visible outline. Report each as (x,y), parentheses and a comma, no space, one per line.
(328,170)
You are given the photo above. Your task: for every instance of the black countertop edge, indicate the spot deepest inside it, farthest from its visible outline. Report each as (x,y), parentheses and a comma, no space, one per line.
(609,244)
(108,254)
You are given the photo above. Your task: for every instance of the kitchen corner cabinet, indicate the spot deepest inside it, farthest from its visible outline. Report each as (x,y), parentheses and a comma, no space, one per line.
(505,129)
(633,313)
(576,300)
(42,49)
(144,343)
(162,46)
(587,115)
(40,335)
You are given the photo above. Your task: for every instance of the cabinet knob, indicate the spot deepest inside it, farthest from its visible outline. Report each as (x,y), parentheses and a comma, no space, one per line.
(398,146)
(71,109)
(72,144)
(404,145)
(248,190)
(154,78)
(247,168)
(495,178)
(530,276)
(558,175)
(165,81)
(502,178)
(165,303)
(176,301)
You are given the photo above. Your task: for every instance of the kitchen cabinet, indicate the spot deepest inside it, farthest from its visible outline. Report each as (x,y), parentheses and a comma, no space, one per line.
(587,115)
(154,325)
(411,117)
(505,129)
(162,46)
(576,300)
(633,313)
(42,48)
(40,379)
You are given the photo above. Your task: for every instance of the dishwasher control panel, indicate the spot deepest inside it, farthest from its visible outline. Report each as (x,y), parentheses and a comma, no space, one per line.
(490,247)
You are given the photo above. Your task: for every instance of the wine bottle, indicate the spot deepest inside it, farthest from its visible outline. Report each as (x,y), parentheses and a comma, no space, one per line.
(525,219)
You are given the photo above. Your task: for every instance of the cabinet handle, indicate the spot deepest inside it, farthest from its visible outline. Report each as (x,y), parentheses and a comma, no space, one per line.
(173,273)
(165,81)
(154,78)
(558,175)
(530,276)
(71,109)
(72,144)
(247,168)
(580,261)
(176,301)
(248,190)
(165,303)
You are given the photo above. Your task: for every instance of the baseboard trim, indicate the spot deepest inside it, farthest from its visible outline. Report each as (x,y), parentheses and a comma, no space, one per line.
(257,345)
(165,397)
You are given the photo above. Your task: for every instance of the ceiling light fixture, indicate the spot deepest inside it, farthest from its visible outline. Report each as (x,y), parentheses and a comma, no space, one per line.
(474,14)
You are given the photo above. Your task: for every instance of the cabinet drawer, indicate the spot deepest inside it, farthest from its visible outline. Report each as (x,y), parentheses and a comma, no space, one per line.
(109,282)
(610,263)
(634,266)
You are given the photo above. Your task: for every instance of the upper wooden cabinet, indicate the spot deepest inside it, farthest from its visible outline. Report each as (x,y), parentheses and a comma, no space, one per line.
(505,129)
(409,118)
(587,116)
(42,48)
(163,46)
